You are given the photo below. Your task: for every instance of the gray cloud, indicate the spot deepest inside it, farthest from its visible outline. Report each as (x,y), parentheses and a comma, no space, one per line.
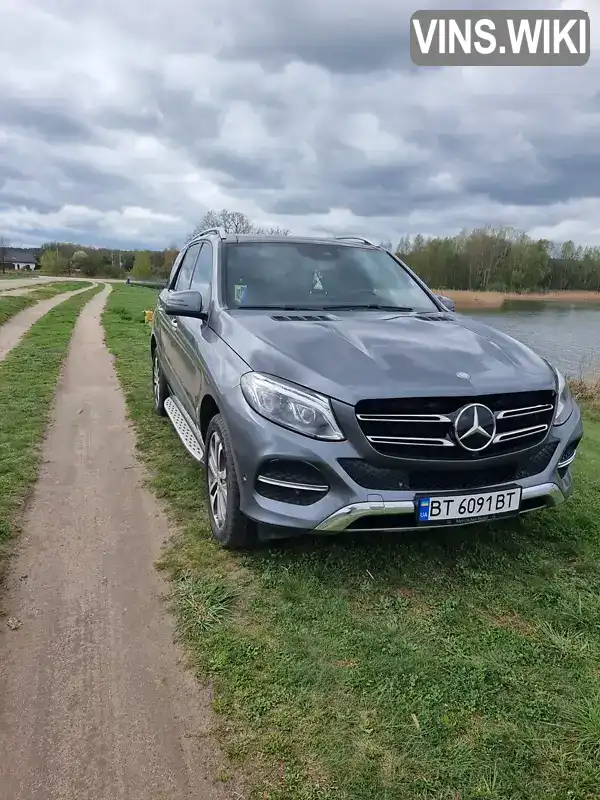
(127,122)
(41,120)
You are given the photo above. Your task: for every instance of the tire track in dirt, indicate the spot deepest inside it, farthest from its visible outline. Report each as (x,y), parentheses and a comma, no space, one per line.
(16,327)
(93,702)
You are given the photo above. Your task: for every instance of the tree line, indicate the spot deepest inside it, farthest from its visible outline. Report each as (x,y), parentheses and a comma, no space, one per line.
(484,259)
(59,258)
(501,259)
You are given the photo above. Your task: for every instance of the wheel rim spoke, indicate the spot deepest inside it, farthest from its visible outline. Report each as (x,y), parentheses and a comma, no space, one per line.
(217,480)
(156,379)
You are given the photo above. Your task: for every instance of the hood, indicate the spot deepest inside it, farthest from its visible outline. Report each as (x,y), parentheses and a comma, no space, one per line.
(353,356)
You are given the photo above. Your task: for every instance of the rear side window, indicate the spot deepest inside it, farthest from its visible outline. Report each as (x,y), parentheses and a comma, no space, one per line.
(187,268)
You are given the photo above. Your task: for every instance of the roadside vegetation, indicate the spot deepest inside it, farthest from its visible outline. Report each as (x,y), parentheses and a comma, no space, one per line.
(16,275)
(28,377)
(482,300)
(587,392)
(431,666)
(9,305)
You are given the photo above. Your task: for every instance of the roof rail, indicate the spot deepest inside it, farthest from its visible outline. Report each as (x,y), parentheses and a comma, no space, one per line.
(220,231)
(357,239)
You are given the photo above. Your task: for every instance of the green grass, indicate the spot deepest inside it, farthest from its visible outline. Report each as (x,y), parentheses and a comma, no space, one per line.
(28,377)
(431,666)
(9,306)
(18,275)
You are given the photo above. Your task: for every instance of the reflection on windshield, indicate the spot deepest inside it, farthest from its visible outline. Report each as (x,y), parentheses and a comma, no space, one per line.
(315,276)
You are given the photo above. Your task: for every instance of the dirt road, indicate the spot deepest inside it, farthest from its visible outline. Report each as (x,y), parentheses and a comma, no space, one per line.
(16,327)
(40,280)
(93,702)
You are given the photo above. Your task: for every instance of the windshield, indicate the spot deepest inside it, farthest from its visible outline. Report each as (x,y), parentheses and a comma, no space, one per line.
(312,275)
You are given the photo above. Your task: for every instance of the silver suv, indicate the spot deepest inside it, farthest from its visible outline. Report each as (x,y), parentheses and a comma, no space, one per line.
(325,388)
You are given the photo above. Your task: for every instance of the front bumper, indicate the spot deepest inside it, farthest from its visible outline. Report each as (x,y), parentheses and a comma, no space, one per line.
(533,498)
(346,504)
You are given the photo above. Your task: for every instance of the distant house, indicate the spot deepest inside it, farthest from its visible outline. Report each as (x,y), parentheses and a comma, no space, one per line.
(18,258)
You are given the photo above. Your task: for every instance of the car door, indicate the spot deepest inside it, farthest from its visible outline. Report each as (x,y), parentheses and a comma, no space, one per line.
(162,324)
(173,339)
(193,333)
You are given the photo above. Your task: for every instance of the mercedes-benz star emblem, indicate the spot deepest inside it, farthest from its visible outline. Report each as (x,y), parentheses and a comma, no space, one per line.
(475,427)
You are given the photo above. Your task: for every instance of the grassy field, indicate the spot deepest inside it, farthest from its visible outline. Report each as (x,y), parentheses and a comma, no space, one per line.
(432,666)
(9,306)
(28,377)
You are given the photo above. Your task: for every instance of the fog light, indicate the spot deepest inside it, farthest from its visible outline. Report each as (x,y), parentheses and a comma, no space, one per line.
(568,456)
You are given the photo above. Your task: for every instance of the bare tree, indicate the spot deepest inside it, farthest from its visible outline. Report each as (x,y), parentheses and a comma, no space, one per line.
(3,249)
(234,222)
(274,231)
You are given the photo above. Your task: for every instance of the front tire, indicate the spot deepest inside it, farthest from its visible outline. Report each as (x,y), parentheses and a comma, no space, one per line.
(230,527)
(159,386)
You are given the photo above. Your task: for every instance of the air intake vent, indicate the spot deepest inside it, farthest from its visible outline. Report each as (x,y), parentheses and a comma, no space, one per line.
(296,482)
(442,316)
(303,318)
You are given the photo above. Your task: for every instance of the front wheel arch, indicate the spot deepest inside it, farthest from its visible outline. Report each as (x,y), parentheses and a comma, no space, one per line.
(208,410)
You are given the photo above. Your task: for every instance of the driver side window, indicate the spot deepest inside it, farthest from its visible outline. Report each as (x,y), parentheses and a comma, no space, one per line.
(187,268)
(203,270)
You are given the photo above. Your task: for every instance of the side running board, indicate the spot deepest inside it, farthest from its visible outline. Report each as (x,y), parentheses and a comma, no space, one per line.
(185,428)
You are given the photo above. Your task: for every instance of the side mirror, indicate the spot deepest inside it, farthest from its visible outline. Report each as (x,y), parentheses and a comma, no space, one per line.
(185,304)
(447,301)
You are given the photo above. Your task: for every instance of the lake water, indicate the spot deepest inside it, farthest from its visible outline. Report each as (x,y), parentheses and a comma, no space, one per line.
(568,335)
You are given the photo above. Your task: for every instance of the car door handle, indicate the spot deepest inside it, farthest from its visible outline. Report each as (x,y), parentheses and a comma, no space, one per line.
(174,322)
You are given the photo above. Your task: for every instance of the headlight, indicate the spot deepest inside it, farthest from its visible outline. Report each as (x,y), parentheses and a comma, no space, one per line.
(291,406)
(564,404)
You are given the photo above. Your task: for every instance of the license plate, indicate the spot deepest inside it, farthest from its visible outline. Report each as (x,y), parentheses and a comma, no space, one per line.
(446,508)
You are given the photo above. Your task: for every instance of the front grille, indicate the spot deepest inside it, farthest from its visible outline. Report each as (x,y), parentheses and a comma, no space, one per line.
(375,477)
(295,482)
(422,427)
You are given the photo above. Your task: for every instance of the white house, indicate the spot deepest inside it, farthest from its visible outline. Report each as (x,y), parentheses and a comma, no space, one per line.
(18,258)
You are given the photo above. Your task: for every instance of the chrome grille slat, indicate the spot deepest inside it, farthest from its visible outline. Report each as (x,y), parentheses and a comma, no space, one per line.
(403,418)
(522,412)
(419,442)
(520,433)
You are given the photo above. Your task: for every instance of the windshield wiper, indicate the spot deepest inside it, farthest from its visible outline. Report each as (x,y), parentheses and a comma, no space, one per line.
(376,306)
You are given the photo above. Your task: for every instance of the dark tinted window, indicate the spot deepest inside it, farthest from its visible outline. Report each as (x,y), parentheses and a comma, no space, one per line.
(313,275)
(203,270)
(187,268)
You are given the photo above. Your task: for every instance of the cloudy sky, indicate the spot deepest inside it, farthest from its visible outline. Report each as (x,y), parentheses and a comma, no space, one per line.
(122,122)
